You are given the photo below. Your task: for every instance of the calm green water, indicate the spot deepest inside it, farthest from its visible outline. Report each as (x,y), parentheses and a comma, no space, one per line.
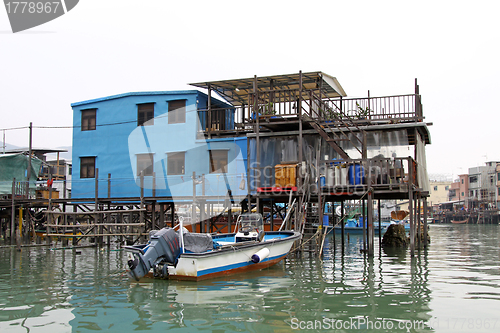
(454,287)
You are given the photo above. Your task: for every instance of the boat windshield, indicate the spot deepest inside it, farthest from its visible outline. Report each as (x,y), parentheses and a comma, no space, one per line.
(250,222)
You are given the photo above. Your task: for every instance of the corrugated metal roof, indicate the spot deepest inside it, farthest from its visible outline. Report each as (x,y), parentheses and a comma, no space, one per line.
(141,93)
(236,91)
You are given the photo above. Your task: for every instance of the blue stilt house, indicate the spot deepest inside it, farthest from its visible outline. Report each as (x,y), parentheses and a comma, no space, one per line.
(155,140)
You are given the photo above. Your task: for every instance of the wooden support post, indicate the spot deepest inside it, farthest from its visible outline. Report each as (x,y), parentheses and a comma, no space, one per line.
(419,235)
(30,151)
(411,210)
(321,211)
(332,224)
(97,231)
(425,222)
(299,112)
(49,208)
(172,215)
(162,216)
(120,229)
(365,225)
(13,212)
(342,224)
(364,151)
(65,222)
(271,228)
(296,214)
(371,230)
(141,206)
(19,229)
(153,215)
(379,224)
(73,239)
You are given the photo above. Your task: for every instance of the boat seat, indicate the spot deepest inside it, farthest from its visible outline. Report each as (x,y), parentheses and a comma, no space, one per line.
(198,243)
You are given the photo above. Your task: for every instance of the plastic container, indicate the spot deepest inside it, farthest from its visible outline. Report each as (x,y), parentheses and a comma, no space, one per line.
(330,176)
(351,223)
(322,181)
(356,174)
(325,220)
(343,176)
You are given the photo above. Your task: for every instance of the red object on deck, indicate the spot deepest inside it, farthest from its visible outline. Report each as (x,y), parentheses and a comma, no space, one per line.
(276,189)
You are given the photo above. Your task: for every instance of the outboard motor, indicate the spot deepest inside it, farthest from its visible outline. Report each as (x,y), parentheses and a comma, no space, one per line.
(162,249)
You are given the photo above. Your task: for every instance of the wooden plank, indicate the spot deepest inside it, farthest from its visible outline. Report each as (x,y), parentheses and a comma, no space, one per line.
(98,212)
(93,225)
(92,235)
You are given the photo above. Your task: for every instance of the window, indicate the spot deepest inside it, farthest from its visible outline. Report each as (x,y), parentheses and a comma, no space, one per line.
(88,119)
(463,194)
(472,179)
(175,163)
(446,188)
(145,114)
(145,164)
(218,161)
(435,188)
(87,167)
(463,179)
(177,111)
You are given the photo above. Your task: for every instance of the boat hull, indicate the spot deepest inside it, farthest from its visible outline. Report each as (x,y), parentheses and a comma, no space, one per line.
(459,222)
(233,259)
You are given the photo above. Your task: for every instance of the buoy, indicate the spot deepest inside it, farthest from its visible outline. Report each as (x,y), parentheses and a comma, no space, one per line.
(260,255)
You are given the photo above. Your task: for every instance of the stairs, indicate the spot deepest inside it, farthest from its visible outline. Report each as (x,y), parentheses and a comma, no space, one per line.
(331,141)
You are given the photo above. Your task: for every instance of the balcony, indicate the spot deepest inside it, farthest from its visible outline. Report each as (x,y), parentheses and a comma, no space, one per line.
(281,108)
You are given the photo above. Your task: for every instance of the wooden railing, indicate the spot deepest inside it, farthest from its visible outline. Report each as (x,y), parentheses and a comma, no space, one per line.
(284,104)
(369,172)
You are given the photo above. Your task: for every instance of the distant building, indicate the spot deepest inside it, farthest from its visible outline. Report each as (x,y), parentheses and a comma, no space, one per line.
(459,190)
(484,182)
(438,192)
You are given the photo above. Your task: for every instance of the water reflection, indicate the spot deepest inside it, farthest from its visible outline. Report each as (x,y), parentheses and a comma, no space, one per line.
(389,285)
(458,277)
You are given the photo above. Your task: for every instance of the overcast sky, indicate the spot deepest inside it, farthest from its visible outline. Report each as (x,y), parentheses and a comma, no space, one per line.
(107,47)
